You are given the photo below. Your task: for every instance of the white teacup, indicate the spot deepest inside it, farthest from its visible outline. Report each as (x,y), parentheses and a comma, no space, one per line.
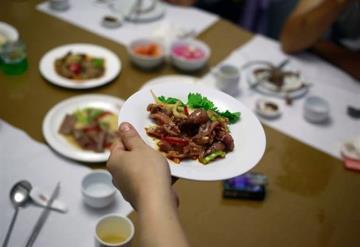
(227,79)
(59,5)
(114,230)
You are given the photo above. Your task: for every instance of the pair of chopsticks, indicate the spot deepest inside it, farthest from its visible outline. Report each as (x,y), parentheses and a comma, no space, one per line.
(44,215)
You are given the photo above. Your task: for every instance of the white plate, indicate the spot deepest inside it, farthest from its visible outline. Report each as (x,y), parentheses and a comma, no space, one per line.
(55,116)
(248,134)
(112,65)
(9,32)
(124,8)
(292,89)
(170,79)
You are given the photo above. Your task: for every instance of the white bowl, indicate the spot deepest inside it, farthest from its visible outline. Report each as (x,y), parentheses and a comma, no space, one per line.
(142,61)
(97,189)
(186,64)
(316,109)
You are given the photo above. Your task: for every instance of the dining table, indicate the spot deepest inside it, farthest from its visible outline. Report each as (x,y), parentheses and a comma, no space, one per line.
(311,200)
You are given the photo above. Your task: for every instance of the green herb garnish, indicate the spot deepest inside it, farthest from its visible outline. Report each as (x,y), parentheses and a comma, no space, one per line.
(170,100)
(196,100)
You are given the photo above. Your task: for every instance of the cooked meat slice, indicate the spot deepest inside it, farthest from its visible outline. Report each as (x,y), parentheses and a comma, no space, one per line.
(198,116)
(67,125)
(160,118)
(84,140)
(228,141)
(217,146)
(154,108)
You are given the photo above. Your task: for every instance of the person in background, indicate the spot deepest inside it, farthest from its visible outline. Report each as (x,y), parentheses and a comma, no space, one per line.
(142,175)
(329,28)
(228,9)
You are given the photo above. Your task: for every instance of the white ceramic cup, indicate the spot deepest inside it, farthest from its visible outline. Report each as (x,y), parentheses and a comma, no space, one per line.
(114,230)
(227,79)
(59,5)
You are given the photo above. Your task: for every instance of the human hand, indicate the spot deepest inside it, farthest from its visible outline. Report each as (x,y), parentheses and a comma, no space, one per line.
(141,173)
(182,2)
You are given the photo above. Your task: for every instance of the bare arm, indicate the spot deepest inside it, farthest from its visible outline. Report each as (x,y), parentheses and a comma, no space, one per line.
(308,23)
(143,177)
(347,60)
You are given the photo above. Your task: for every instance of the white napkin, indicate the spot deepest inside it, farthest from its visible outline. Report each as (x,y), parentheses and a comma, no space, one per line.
(329,82)
(23,158)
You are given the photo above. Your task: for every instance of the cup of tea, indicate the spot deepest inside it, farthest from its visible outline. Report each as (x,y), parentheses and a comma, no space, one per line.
(114,230)
(227,79)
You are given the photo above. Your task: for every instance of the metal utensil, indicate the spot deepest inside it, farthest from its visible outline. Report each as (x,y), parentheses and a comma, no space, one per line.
(39,224)
(19,195)
(277,68)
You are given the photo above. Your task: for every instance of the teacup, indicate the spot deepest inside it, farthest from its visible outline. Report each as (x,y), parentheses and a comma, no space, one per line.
(114,230)
(227,79)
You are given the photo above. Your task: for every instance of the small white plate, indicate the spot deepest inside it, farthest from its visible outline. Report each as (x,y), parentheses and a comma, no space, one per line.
(124,8)
(55,116)
(112,65)
(9,32)
(261,109)
(248,134)
(170,79)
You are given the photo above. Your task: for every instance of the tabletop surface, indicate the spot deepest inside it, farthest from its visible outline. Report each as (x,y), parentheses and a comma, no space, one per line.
(312,200)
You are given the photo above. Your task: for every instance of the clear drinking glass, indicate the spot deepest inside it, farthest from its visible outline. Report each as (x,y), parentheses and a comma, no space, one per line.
(13,58)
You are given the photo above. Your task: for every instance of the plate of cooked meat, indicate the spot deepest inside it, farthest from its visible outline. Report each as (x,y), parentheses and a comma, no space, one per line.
(271,80)
(83,128)
(204,133)
(80,66)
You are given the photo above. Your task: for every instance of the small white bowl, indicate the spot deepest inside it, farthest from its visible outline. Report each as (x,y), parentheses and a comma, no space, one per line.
(97,189)
(187,64)
(316,110)
(142,61)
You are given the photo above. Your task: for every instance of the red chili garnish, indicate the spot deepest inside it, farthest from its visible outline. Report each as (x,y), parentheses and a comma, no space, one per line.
(75,68)
(175,140)
(186,111)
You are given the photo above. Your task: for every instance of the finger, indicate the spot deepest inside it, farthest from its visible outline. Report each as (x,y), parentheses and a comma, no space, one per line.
(117,146)
(130,137)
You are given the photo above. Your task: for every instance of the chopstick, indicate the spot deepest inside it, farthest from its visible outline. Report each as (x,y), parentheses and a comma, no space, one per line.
(45,213)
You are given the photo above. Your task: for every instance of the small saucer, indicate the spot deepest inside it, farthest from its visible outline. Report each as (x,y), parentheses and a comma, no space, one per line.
(109,21)
(267,109)
(351,149)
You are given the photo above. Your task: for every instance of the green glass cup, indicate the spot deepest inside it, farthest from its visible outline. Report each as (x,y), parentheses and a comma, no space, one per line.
(13,58)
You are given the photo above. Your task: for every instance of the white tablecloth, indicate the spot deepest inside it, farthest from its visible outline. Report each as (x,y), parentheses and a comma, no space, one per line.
(330,83)
(23,158)
(88,15)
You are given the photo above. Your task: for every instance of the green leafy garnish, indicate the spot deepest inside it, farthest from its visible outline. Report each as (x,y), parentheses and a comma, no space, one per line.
(98,62)
(196,100)
(169,100)
(87,115)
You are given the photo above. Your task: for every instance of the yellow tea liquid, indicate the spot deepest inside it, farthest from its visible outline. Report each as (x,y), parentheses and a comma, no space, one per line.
(112,238)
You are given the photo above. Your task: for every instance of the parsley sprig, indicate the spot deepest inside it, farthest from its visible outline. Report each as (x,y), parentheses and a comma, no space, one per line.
(196,100)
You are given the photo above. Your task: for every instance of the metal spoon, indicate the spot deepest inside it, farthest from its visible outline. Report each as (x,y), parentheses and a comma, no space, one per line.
(19,196)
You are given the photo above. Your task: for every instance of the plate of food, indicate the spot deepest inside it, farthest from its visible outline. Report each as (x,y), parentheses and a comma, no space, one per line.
(281,82)
(139,11)
(205,134)
(80,66)
(83,127)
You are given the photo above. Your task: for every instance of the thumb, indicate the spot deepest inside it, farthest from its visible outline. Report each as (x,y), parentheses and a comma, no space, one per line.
(130,137)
